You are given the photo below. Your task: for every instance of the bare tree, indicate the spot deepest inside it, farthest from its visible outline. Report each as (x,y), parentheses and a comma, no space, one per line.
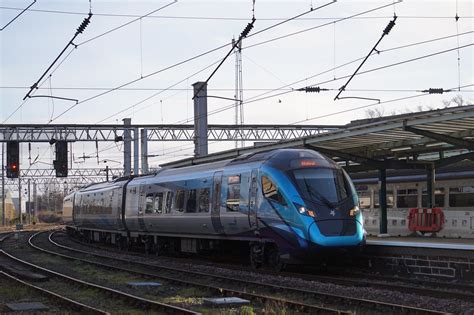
(374,113)
(458,100)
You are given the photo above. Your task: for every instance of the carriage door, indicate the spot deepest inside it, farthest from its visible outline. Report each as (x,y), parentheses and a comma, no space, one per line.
(253,189)
(216,203)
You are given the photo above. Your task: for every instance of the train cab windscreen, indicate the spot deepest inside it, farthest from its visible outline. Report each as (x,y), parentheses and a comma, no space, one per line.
(327,186)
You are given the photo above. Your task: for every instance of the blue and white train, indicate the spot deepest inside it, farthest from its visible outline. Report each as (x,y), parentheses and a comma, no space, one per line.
(284,204)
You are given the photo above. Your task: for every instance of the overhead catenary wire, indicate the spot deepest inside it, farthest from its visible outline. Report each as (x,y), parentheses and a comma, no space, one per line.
(261,97)
(373,104)
(321,25)
(153,73)
(79,30)
(245,34)
(385,32)
(75,47)
(248,89)
(125,24)
(456,18)
(17,16)
(158,93)
(226,18)
(203,54)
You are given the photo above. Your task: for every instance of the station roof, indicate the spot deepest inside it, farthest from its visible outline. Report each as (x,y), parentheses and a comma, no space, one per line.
(415,140)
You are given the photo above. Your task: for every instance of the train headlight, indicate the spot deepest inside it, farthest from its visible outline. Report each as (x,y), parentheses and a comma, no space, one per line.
(354,211)
(303,210)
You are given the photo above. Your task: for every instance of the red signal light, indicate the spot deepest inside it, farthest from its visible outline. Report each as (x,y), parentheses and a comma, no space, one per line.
(14,167)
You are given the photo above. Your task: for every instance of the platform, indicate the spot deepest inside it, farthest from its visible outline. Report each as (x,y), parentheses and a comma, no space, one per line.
(423,242)
(422,256)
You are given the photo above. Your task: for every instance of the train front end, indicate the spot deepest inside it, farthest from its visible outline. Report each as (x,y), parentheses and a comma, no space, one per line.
(322,199)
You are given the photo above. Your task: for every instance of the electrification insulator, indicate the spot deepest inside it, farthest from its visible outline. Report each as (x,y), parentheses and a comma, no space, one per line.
(390,25)
(434,91)
(84,24)
(312,89)
(247,29)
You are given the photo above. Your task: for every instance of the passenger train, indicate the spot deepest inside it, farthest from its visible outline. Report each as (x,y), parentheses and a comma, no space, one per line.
(284,204)
(406,191)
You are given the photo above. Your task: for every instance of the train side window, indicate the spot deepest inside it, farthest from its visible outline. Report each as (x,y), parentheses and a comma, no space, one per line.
(158,205)
(179,201)
(407,198)
(149,203)
(191,201)
(439,198)
(168,201)
(364,199)
(461,196)
(270,191)
(204,200)
(389,199)
(233,193)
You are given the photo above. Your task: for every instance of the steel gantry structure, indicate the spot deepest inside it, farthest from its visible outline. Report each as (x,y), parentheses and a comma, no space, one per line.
(108,132)
(137,134)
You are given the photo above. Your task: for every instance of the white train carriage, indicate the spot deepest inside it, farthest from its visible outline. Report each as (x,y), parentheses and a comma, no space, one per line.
(454,195)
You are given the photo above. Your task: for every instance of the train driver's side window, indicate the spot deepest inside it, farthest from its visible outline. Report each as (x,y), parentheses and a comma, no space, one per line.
(233,193)
(270,191)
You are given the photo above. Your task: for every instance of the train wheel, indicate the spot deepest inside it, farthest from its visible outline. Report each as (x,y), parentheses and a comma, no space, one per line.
(256,255)
(273,259)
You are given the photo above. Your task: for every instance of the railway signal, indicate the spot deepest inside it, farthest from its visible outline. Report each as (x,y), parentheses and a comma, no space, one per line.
(60,164)
(13,159)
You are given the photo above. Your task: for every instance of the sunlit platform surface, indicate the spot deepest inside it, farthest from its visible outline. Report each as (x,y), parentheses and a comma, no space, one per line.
(423,242)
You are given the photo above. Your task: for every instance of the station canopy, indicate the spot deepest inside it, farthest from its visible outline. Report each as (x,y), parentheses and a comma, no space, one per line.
(409,141)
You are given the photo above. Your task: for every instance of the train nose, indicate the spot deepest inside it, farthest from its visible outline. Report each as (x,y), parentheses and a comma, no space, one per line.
(335,233)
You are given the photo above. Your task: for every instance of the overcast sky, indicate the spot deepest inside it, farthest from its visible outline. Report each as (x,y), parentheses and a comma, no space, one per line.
(317,43)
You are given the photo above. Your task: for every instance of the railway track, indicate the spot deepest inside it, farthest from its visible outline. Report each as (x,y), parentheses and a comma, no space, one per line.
(350,302)
(131,303)
(183,279)
(462,291)
(70,304)
(358,278)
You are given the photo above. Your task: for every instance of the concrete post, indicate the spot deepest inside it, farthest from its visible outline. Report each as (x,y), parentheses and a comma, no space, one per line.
(200,119)
(144,153)
(127,147)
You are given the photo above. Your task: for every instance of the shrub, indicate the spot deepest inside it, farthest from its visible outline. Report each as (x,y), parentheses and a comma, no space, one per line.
(48,217)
